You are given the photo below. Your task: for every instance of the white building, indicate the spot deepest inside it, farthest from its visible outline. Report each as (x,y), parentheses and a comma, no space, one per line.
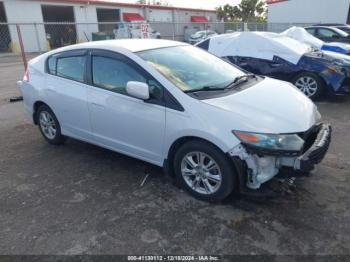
(34,17)
(308,11)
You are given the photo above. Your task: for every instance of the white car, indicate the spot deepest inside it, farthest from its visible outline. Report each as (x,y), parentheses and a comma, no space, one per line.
(211,126)
(200,36)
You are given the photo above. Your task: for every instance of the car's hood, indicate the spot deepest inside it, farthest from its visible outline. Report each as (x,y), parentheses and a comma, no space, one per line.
(331,57)
(270,106)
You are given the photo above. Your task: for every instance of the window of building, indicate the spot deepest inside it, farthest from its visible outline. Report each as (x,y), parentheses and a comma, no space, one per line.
(59,34)
(110,16)
(5,38)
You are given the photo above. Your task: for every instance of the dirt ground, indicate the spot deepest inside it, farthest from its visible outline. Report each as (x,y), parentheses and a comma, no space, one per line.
(81,199)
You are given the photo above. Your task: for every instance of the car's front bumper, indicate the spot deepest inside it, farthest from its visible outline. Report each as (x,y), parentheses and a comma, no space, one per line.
(263,165)
(315,154)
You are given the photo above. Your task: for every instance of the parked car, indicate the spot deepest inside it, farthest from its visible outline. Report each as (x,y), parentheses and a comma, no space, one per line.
(211,126)
(343,27)
(329,34)
(300,34)
(314,72)
(200,36)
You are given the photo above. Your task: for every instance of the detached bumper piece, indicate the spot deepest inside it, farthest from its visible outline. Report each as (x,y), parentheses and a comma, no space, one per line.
(317,151)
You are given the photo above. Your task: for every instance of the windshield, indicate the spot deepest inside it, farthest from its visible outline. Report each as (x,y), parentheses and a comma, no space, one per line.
(190,68)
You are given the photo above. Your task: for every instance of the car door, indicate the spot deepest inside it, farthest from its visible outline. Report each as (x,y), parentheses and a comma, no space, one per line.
(67,94)
(119,121)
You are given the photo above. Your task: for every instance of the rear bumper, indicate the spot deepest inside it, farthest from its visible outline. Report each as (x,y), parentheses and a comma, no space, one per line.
(316,153)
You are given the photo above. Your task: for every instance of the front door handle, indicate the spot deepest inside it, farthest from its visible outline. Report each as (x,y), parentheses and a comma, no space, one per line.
(97,104)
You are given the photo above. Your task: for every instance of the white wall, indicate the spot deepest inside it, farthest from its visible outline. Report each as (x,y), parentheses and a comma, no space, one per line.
(309,11)
(83,14)
(159,15)
(15,14)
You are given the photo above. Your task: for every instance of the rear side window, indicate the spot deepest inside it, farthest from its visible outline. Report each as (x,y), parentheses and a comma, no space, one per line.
(71,67)
(52,65)
(311,31)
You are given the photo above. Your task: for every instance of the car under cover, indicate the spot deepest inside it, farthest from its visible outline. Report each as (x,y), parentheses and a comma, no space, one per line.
(300,34)
(281,57)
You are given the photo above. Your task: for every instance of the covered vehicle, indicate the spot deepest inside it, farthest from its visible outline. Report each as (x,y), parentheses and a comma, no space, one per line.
(300,34)
(200,36)
(314,72)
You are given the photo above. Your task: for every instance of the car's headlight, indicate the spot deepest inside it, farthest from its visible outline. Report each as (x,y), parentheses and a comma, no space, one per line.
(270,141)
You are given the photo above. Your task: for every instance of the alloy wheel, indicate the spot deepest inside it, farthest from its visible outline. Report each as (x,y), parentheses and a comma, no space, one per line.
(307,85)
(47,124)
(201,172)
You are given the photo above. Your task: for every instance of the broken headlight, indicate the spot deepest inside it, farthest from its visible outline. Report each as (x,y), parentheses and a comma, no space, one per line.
(271,141)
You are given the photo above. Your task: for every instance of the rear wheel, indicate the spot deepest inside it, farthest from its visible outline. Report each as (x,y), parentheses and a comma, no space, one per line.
(204,171)
(310,84)
(49,125)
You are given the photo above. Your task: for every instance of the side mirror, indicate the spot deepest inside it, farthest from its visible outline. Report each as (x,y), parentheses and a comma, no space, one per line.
(138,90)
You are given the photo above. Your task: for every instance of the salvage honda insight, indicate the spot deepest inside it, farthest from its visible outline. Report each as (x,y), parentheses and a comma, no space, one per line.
(211,126)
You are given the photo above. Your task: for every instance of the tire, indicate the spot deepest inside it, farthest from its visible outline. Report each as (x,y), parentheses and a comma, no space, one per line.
(195,178)
(49,126)
(310,84)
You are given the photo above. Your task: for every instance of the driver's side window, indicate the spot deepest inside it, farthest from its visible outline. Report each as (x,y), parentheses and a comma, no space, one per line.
(322,32)
(113,74)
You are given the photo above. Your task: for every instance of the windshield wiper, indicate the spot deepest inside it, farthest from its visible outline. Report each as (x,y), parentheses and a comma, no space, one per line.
(239,79)
(205,88)
(234,83)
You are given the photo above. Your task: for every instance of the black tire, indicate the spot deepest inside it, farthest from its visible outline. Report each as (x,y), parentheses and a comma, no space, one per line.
(320,85)
(58,138)
(228,172)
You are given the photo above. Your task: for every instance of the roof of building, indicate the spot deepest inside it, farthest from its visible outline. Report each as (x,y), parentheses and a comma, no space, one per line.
(116,3)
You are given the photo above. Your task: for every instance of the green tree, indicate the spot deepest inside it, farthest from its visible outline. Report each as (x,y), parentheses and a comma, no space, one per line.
(246,11)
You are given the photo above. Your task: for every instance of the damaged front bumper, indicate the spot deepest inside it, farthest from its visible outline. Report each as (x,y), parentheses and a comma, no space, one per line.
(263,164)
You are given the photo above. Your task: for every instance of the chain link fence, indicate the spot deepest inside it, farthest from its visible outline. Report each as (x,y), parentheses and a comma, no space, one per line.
(42,37)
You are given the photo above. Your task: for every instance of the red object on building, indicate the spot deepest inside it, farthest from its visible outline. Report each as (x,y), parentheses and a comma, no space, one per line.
(129,17)
(199,19)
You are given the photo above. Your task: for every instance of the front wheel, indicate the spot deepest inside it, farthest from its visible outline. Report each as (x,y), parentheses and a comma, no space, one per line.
(204,171)
(310,84)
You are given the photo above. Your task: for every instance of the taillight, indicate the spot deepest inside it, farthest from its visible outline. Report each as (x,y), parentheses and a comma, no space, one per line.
(26,76)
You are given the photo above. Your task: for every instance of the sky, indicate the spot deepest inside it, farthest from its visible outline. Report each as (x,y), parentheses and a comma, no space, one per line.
(205,4)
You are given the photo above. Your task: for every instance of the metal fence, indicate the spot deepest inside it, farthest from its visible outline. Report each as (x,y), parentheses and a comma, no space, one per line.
(41,37)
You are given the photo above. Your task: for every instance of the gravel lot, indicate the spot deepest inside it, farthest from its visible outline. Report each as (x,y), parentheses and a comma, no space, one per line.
(81,199)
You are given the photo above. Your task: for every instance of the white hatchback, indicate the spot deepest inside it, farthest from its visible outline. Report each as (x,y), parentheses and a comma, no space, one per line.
(212,127)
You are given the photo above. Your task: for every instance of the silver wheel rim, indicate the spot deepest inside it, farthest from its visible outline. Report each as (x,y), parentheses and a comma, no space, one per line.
(307,85)
(47,124)
(201,173)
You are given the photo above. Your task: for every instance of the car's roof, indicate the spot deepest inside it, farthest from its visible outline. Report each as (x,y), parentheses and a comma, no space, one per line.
(133,45)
